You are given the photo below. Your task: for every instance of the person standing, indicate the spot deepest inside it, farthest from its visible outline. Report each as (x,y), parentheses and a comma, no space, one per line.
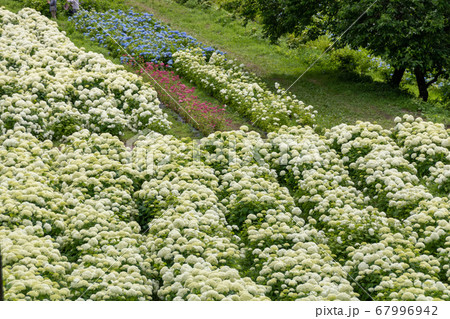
(74,6)
(52,4)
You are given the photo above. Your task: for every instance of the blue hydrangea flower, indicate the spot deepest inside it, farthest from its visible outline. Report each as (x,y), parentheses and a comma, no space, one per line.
(137,33)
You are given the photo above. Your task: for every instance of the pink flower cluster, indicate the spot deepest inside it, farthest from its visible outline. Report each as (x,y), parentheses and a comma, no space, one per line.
(204,116)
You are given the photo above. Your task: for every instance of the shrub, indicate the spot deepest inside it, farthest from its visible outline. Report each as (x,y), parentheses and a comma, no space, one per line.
(204,116)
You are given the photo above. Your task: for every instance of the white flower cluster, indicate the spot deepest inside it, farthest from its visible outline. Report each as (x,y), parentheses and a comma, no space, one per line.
(233,216)
(431,227)
(379,168)
(97,167)
(324,190)
(27,196)
(30,212)
(53,89)
(243,91)
(384,167)
(110,259)
(337,198)
(33,266)
(305,272)
(439,178)
(107,249)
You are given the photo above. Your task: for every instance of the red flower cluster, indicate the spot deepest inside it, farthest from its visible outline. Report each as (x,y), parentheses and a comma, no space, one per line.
(204,116)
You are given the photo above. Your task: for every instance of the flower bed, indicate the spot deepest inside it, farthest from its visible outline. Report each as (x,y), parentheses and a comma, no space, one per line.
(148,40)
(52,88)
(204,116)
(178,220)
(242,91)
(72,224)
(337,201)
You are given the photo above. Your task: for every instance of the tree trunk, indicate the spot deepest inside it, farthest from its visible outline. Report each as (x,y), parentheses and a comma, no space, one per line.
(397,77)
(421,83)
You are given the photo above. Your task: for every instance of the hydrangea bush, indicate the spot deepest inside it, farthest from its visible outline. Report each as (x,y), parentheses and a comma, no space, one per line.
(204,116)
(54,89)
(424,143)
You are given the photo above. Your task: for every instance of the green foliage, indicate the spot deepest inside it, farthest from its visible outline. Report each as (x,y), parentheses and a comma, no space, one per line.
(195,3)
(40,5)
(351,61)
(287,16)
(409,36)
(445,95)
(436,111)
(230,5)
(413,37)
(321,43)
(294,41)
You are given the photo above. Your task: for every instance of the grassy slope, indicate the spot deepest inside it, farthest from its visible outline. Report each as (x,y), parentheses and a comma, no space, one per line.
(337,100)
